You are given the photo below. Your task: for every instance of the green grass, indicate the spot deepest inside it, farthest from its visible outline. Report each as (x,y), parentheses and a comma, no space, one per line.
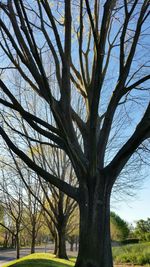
(138,254)
(41,260)
(133,254)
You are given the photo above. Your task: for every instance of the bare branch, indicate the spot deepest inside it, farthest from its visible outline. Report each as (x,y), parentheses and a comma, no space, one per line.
(141,133)
(68,189)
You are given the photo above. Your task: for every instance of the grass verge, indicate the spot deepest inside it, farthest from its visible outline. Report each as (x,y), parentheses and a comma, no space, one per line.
(138,254)
(41,260)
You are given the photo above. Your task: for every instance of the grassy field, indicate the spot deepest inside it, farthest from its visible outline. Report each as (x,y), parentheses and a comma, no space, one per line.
(137,254)
(41,260)
(134,254)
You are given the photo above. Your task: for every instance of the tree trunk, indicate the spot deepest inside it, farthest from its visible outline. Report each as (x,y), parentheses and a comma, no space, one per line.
(17,246)
(55,245)
(61,251)
(71,244)
(12,241)
(5,244)
(76,243)
(33,245)
(33,241)
(94,239)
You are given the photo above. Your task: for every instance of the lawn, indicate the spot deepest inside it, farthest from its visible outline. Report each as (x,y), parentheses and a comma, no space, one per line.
(41,260)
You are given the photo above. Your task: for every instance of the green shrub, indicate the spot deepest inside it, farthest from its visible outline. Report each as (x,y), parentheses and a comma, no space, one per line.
(134,254)
(143,259)
(133,259)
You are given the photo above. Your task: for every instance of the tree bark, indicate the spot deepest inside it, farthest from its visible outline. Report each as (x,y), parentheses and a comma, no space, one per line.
(17,246)
(33,241)
(71,244)
(76,243)
(94,237)
(13,241)
(61,248)
(55,245)
(5,244)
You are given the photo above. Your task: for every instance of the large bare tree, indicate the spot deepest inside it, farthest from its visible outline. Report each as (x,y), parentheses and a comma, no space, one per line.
(100,49)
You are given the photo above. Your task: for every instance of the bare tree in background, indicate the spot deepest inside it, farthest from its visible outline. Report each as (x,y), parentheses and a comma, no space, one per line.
(32,217)
(11,196)
(59,205)
(91,43)
(56,205)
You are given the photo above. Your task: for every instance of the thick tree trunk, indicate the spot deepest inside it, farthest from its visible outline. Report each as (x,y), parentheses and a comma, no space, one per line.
(33,245)
(94,239)
(55,245)
(61,251)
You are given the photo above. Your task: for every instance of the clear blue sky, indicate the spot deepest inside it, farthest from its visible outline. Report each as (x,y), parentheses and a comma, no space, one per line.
(136,208)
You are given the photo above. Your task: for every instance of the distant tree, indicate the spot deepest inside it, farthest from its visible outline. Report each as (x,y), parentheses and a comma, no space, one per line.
(73,230)
(118,227)
(32,215)
(11,198)
(142,229)
(38,194)
(2,229)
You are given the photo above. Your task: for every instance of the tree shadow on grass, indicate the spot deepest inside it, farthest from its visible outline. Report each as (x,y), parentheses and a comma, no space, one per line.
(39,263)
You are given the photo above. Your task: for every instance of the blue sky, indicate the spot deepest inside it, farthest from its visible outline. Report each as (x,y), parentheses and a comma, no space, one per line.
(136,208)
